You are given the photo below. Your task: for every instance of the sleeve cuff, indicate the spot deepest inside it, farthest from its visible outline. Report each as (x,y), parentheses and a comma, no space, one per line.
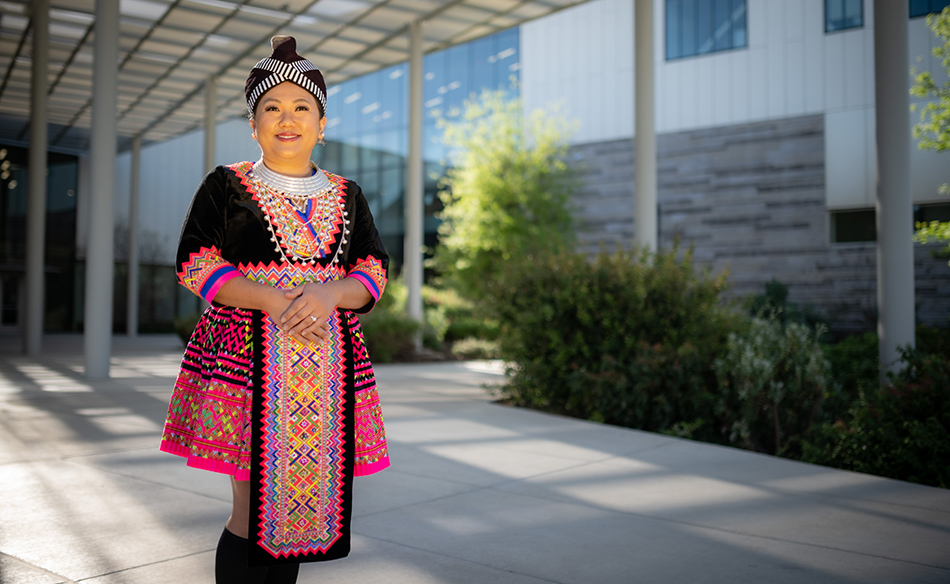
(372,274)
(367,281)
(205,272)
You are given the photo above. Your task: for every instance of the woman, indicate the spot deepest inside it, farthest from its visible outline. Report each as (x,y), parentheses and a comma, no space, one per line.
(275,387)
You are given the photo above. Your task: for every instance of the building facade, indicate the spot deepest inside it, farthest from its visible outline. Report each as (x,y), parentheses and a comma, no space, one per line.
(766,150)
(766,140)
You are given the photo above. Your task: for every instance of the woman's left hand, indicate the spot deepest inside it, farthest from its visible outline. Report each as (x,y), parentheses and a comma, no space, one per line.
(307,317)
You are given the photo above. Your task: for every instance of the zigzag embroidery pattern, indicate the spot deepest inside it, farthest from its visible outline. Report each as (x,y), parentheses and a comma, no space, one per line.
(302,424)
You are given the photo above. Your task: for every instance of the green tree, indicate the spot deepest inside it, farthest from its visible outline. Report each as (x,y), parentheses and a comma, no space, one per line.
(507,193)
(933,130)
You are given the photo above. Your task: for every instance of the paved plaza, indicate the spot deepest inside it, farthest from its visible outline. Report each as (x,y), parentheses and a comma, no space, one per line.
(477,493)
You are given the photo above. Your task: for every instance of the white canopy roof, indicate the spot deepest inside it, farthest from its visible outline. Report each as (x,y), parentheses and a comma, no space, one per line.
(169,48)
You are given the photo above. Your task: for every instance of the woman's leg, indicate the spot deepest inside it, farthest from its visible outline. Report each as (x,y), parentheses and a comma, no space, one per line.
(231,557)
(240,508)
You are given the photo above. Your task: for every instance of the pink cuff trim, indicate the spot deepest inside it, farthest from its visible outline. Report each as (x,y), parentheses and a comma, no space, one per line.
(362,470)
(226,276)
(367,282)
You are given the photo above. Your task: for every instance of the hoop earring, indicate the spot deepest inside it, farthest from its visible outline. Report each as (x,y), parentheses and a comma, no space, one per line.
(320,140)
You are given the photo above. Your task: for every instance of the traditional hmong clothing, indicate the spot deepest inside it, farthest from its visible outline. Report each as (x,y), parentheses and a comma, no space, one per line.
(297,420)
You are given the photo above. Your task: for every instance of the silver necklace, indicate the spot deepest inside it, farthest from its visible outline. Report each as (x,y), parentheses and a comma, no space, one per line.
(273,188)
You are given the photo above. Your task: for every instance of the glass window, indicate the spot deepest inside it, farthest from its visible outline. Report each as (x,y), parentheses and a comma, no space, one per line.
(843,14)
(928,213)
(853,226)
(699,27)
(367,126)
(925,7)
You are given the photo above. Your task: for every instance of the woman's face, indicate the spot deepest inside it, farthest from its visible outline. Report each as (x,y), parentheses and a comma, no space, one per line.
(287,124)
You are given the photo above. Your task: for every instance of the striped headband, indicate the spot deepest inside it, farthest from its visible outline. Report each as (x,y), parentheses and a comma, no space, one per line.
(284,64)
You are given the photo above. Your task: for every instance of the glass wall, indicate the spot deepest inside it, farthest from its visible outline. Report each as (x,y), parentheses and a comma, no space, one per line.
(924,7)
(698,27)
(60,250)
(367,123)
(843,14)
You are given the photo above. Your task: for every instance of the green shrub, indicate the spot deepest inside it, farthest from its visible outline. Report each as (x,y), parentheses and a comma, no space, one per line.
(854,371)
(388,330)
(774,304)
(473,348)
(625,338)
(901,431)
(507,192)
(451,317)
(389,335)
(773,378)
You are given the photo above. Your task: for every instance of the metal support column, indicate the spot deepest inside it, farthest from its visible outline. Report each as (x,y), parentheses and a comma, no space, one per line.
(36,201)
(412,269)
(211,104)
(99,253)
(132,303)
(895,215)
(645,207)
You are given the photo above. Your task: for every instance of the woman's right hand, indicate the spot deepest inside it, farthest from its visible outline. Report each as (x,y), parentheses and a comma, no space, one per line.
(277,305)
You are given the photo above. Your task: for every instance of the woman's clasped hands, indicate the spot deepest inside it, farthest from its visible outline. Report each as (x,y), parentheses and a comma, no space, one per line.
(307,318)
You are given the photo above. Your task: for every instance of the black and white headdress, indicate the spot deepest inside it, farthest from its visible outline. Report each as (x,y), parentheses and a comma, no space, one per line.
(284,64)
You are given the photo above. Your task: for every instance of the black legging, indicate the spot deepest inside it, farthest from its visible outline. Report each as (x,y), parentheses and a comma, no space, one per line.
(230,565)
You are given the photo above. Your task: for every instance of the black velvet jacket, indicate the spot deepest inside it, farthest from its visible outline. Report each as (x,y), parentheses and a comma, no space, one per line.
(225,228)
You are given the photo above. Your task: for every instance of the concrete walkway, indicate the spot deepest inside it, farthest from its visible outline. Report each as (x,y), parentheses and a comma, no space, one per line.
(478,493)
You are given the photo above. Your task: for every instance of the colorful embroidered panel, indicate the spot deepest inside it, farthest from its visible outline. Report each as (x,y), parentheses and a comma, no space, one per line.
(303,428)
(209,414)
(372,454)
(303,434)
(205,272)
(371,273)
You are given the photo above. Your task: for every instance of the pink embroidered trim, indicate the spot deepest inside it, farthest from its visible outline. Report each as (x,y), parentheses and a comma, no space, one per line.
(240,474)
(371,273)
(205,272)
(362,470)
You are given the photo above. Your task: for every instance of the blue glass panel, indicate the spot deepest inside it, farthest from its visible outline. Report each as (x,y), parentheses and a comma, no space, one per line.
(834,14)
(739,36)
(843,14)
(722,21)
(369,152)
(329,156)
(919,8)
(704,27)
(349,161)
(393,147)
(673,40)
(696,27)
(688,12)
(508,60)
(482,69)
(854,13)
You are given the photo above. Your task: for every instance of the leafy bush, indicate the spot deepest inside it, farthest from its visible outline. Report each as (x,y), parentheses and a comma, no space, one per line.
(775,305)
(901,431)
(506,195)
(451,317)
(627,338)
(854,371)
(388,330)
(773,379)
(389,335)
(473,348)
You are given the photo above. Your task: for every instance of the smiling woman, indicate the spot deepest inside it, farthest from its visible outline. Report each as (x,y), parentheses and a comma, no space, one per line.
(276,388)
